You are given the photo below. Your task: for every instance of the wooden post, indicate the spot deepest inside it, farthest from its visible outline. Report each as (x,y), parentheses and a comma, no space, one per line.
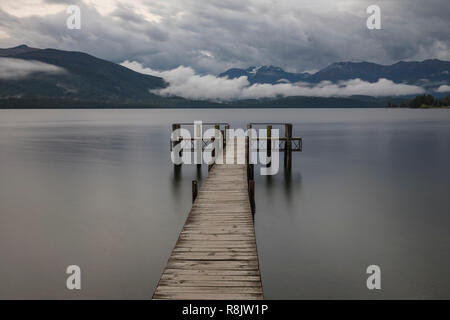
(269,144)
(176,126)
(251,195)
(198,144)
(194,190)
(227,128)
(247,150)
(288,147)
(217,144)
(213,154)
(223,138)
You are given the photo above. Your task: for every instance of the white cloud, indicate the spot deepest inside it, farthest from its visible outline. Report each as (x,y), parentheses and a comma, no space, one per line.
(444,88)
(106,7)
(11,68)
(382,87)
(184,82)
(26,8)
(4,35)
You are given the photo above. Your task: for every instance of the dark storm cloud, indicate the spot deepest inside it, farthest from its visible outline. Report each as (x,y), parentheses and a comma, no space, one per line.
(213,35)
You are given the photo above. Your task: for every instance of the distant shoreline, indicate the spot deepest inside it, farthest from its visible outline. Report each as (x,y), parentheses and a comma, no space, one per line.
(293,102)
(425,101)
(183,108)
(212,108)
(180,103)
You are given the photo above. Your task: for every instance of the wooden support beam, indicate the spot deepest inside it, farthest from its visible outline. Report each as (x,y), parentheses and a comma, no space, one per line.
(247,150)
(227,129)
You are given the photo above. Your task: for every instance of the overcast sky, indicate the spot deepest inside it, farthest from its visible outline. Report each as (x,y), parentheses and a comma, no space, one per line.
(214,35)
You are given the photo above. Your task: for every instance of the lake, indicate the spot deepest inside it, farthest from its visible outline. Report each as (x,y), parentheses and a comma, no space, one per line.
(96,188)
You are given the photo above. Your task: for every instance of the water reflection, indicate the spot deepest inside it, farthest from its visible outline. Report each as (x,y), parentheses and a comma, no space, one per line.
(97,188)
(176,181)
(199,172)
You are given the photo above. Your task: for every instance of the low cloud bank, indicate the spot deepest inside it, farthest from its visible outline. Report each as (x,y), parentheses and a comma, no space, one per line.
(184,82)
(443,88)
(11,68)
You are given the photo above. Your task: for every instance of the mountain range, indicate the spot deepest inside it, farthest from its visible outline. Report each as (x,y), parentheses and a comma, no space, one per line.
(428,73)
(265,74)
(76,79)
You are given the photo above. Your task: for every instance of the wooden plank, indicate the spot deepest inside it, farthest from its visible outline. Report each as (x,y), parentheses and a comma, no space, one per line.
(211,231)
(214,237)
(209,283)
(199,289)
(223,228)
(216,234)
(218,243)
(214,249)
(207,296)
(216,265)
(192,277)
(212,272)
(215,256)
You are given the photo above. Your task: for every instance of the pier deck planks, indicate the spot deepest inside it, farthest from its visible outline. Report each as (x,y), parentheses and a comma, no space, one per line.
(215,256)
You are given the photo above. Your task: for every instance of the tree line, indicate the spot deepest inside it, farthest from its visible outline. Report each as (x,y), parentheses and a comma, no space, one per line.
(422,101)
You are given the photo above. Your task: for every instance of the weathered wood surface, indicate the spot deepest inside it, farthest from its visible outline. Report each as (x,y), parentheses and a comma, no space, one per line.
(215,256)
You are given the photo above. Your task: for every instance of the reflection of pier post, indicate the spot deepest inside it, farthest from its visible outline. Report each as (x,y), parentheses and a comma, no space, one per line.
(176,126)
(288,147)
(251,195)
(269,145)
(194,190)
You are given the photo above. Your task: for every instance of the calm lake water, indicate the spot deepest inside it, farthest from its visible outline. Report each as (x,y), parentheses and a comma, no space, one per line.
(96,188)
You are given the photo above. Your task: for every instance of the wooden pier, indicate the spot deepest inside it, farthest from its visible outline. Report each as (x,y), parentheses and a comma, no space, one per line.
(215,256)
